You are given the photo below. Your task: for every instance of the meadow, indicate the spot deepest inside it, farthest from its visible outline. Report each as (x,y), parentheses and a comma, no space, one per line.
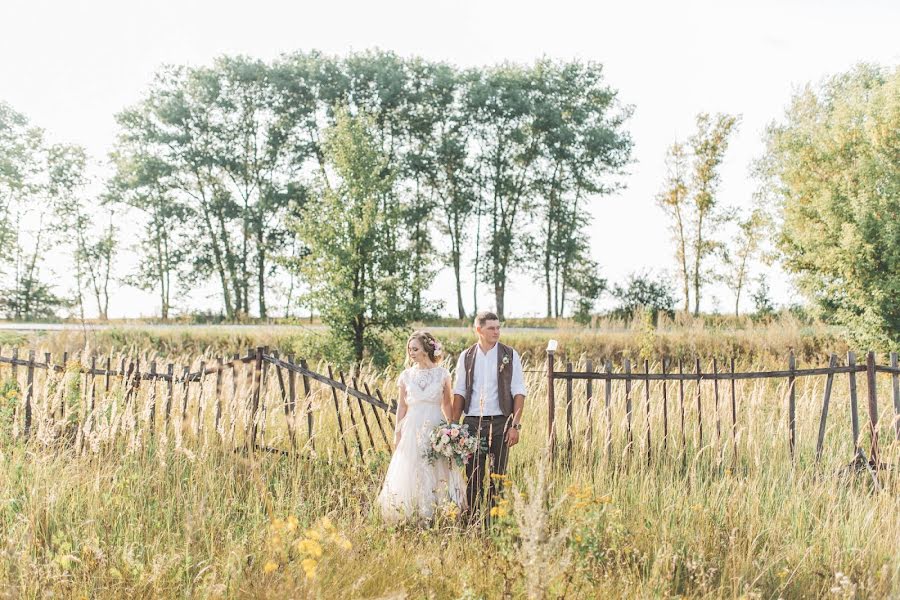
(118,502)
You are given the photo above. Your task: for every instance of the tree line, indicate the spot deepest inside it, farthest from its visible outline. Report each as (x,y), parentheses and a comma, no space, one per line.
(222,159)
(345,184)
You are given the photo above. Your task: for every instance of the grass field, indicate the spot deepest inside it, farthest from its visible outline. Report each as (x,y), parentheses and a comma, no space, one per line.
(128,507)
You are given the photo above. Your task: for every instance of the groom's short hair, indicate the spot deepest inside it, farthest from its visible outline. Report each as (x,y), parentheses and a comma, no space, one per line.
(484,316)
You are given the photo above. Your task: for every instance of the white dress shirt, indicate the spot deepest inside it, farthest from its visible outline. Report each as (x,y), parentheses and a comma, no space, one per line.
(485,392)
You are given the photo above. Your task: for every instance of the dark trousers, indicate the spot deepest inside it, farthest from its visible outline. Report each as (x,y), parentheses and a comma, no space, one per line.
(492,430)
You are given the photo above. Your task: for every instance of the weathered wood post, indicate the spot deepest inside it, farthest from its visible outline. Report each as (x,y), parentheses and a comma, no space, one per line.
(647,404)
(895,379)
(826,400)
(589,392)
(551,399)
(792,405)
(854,411)
(569,390)
(29,392)
(608,402)
(871,383)
(628,411)
(307,394)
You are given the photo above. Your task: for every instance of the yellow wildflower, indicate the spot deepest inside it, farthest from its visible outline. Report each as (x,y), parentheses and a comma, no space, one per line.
(313,534)
(325,523)
(269,567)
(292,523)
(276,540)
(311,547)
(498,476)
(499,511)
(277,524)
(309,567)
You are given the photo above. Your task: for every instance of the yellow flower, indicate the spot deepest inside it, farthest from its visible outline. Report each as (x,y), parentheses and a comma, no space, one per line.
(309,567)
(269,567)
(292,523)
(277,524)
(311,547)
(276,540)
(325,523)
(498,476)
(499,511)
(313,534)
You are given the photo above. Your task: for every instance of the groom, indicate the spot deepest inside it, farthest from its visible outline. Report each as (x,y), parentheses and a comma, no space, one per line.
(490,390)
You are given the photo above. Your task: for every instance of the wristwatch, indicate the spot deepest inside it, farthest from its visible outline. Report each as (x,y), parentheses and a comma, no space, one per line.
(517,426)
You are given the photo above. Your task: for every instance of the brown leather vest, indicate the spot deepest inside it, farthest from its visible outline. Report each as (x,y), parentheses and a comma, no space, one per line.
(504,377)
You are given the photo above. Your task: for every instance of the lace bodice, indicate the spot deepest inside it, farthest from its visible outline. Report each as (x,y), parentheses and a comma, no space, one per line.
(423,386)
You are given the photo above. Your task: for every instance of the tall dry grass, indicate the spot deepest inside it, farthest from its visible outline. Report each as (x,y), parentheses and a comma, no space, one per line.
(107,503)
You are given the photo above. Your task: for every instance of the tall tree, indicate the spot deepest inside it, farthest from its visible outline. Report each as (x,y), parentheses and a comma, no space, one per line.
(739,255)
(708,146)
(581,147)
(834,163)
(360,276)
(501,104)
(674,201)
(143,183)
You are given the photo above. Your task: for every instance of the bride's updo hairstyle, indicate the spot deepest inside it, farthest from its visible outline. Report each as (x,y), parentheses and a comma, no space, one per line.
(428,342)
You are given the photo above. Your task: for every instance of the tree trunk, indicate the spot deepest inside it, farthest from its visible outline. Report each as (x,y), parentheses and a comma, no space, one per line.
(261,270)
(457,259)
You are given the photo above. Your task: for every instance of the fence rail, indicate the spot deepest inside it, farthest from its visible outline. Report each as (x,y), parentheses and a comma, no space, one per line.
(698,377)
(253,369)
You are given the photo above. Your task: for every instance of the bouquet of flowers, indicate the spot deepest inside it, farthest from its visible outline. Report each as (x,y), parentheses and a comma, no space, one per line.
(452,441)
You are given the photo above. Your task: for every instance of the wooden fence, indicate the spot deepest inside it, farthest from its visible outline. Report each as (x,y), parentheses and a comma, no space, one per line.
(255,369)
(718,378)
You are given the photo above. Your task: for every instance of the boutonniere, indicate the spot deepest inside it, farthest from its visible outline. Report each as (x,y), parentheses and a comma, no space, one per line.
(504,362)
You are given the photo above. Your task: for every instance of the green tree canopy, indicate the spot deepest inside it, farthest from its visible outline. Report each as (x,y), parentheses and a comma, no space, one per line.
(834,164)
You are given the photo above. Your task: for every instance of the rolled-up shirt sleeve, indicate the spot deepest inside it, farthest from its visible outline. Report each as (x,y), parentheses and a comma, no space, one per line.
(459,387)
(518,377)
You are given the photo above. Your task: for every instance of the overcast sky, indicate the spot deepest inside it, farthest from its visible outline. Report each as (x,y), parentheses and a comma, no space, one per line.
(70,66)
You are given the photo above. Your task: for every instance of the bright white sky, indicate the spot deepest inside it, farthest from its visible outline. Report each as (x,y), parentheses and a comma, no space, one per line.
(71,65)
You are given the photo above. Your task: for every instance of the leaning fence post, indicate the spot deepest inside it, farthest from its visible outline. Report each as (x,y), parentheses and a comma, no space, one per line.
(895,377)
(630,441)
(152,398)
(854,413)
(569,386)
(716,402)
(873,407)
(826,400)
(589,391)
(257,377)
(733,412)
(665,403)
(647,403)
(29,392)
(681,402)
(551,399)
(290,402)
(220,367)
(699,406)
(307,394)
(792,404)
(608,401)
(377,418)
(337,411)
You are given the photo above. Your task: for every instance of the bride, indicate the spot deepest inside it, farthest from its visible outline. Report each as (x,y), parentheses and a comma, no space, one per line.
(413,487)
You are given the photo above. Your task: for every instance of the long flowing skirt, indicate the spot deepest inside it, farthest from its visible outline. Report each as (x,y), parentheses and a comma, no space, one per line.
(414,488)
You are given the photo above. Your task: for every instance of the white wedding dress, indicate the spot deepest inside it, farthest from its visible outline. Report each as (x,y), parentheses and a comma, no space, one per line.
(413,487)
